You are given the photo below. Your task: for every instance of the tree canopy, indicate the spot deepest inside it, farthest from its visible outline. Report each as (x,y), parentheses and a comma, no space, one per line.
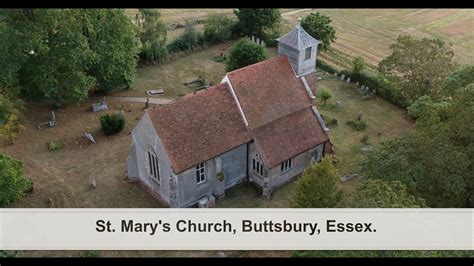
(376,193)
(436,160)
(63,54)
(319,27)
(12,183)
(152,34)
(317,187)
(244,53)
(257,21)
(418,67)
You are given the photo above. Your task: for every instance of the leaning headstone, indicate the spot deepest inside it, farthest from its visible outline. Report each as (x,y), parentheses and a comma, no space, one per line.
(348,80)
(90,137)
(93,183)
(343,77)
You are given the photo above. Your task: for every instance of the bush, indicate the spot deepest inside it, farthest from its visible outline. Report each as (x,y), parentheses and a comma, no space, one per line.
(12,183)
(186,41)
(321,64)
(383,88)
(357,124)
(56,145)
(244,53)
(317,187)
(218,28)
(365,140)
(324,95)
(112,123)
(329,121)
(358,65)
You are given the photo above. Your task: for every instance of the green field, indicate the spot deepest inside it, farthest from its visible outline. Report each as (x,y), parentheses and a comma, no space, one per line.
(365,32)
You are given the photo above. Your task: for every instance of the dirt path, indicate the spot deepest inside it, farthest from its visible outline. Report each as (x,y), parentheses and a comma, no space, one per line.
(294,12)
(139,99)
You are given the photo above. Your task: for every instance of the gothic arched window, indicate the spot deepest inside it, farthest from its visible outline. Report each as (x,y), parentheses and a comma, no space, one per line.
(153,165)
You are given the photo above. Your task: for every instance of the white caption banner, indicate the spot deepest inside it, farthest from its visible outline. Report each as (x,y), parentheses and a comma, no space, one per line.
(236,229)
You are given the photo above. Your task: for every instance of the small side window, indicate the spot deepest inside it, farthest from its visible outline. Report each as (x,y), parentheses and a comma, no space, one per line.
(307,54)
(200,173)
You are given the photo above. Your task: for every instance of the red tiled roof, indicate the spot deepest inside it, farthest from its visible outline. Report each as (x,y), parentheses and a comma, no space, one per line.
(199,126)
(289,136)
(311,79)
(268,90)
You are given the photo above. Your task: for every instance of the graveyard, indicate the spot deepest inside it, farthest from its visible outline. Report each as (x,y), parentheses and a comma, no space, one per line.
(63,177)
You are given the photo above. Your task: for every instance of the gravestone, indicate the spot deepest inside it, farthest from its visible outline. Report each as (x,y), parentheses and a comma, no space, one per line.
(357,83)
(90,137)
(347,177)
(147,105)
(97,107)
(348,80)
(338,103)
(343,77)
(335,74)
(93,183)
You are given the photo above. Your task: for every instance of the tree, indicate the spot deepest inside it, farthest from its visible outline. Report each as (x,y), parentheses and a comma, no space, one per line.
(435,161)
(244,53)
(459,79)
(358,65)
(11,118)
(317,187)
(319,27)
(63,54)
(324,95)
(152,34)
(114,41)
(58,62)
(376,193)
(257,21)
(218,28)
(418,67)
(12,183)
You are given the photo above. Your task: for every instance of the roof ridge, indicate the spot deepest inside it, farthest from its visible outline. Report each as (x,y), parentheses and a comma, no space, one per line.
(282,117)
(258,63)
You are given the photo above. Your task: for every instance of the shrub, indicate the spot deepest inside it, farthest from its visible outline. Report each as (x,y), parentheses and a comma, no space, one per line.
(112,123)
(365,139)
(12,183)
(244,53)
(56,145)
(186,41)
(324,95)
(357,124)
(321,64)
(218,28)
(317,187)
(329,121)
(358,65)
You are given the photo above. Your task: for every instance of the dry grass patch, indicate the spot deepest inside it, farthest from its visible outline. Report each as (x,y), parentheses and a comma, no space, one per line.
(62,177)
